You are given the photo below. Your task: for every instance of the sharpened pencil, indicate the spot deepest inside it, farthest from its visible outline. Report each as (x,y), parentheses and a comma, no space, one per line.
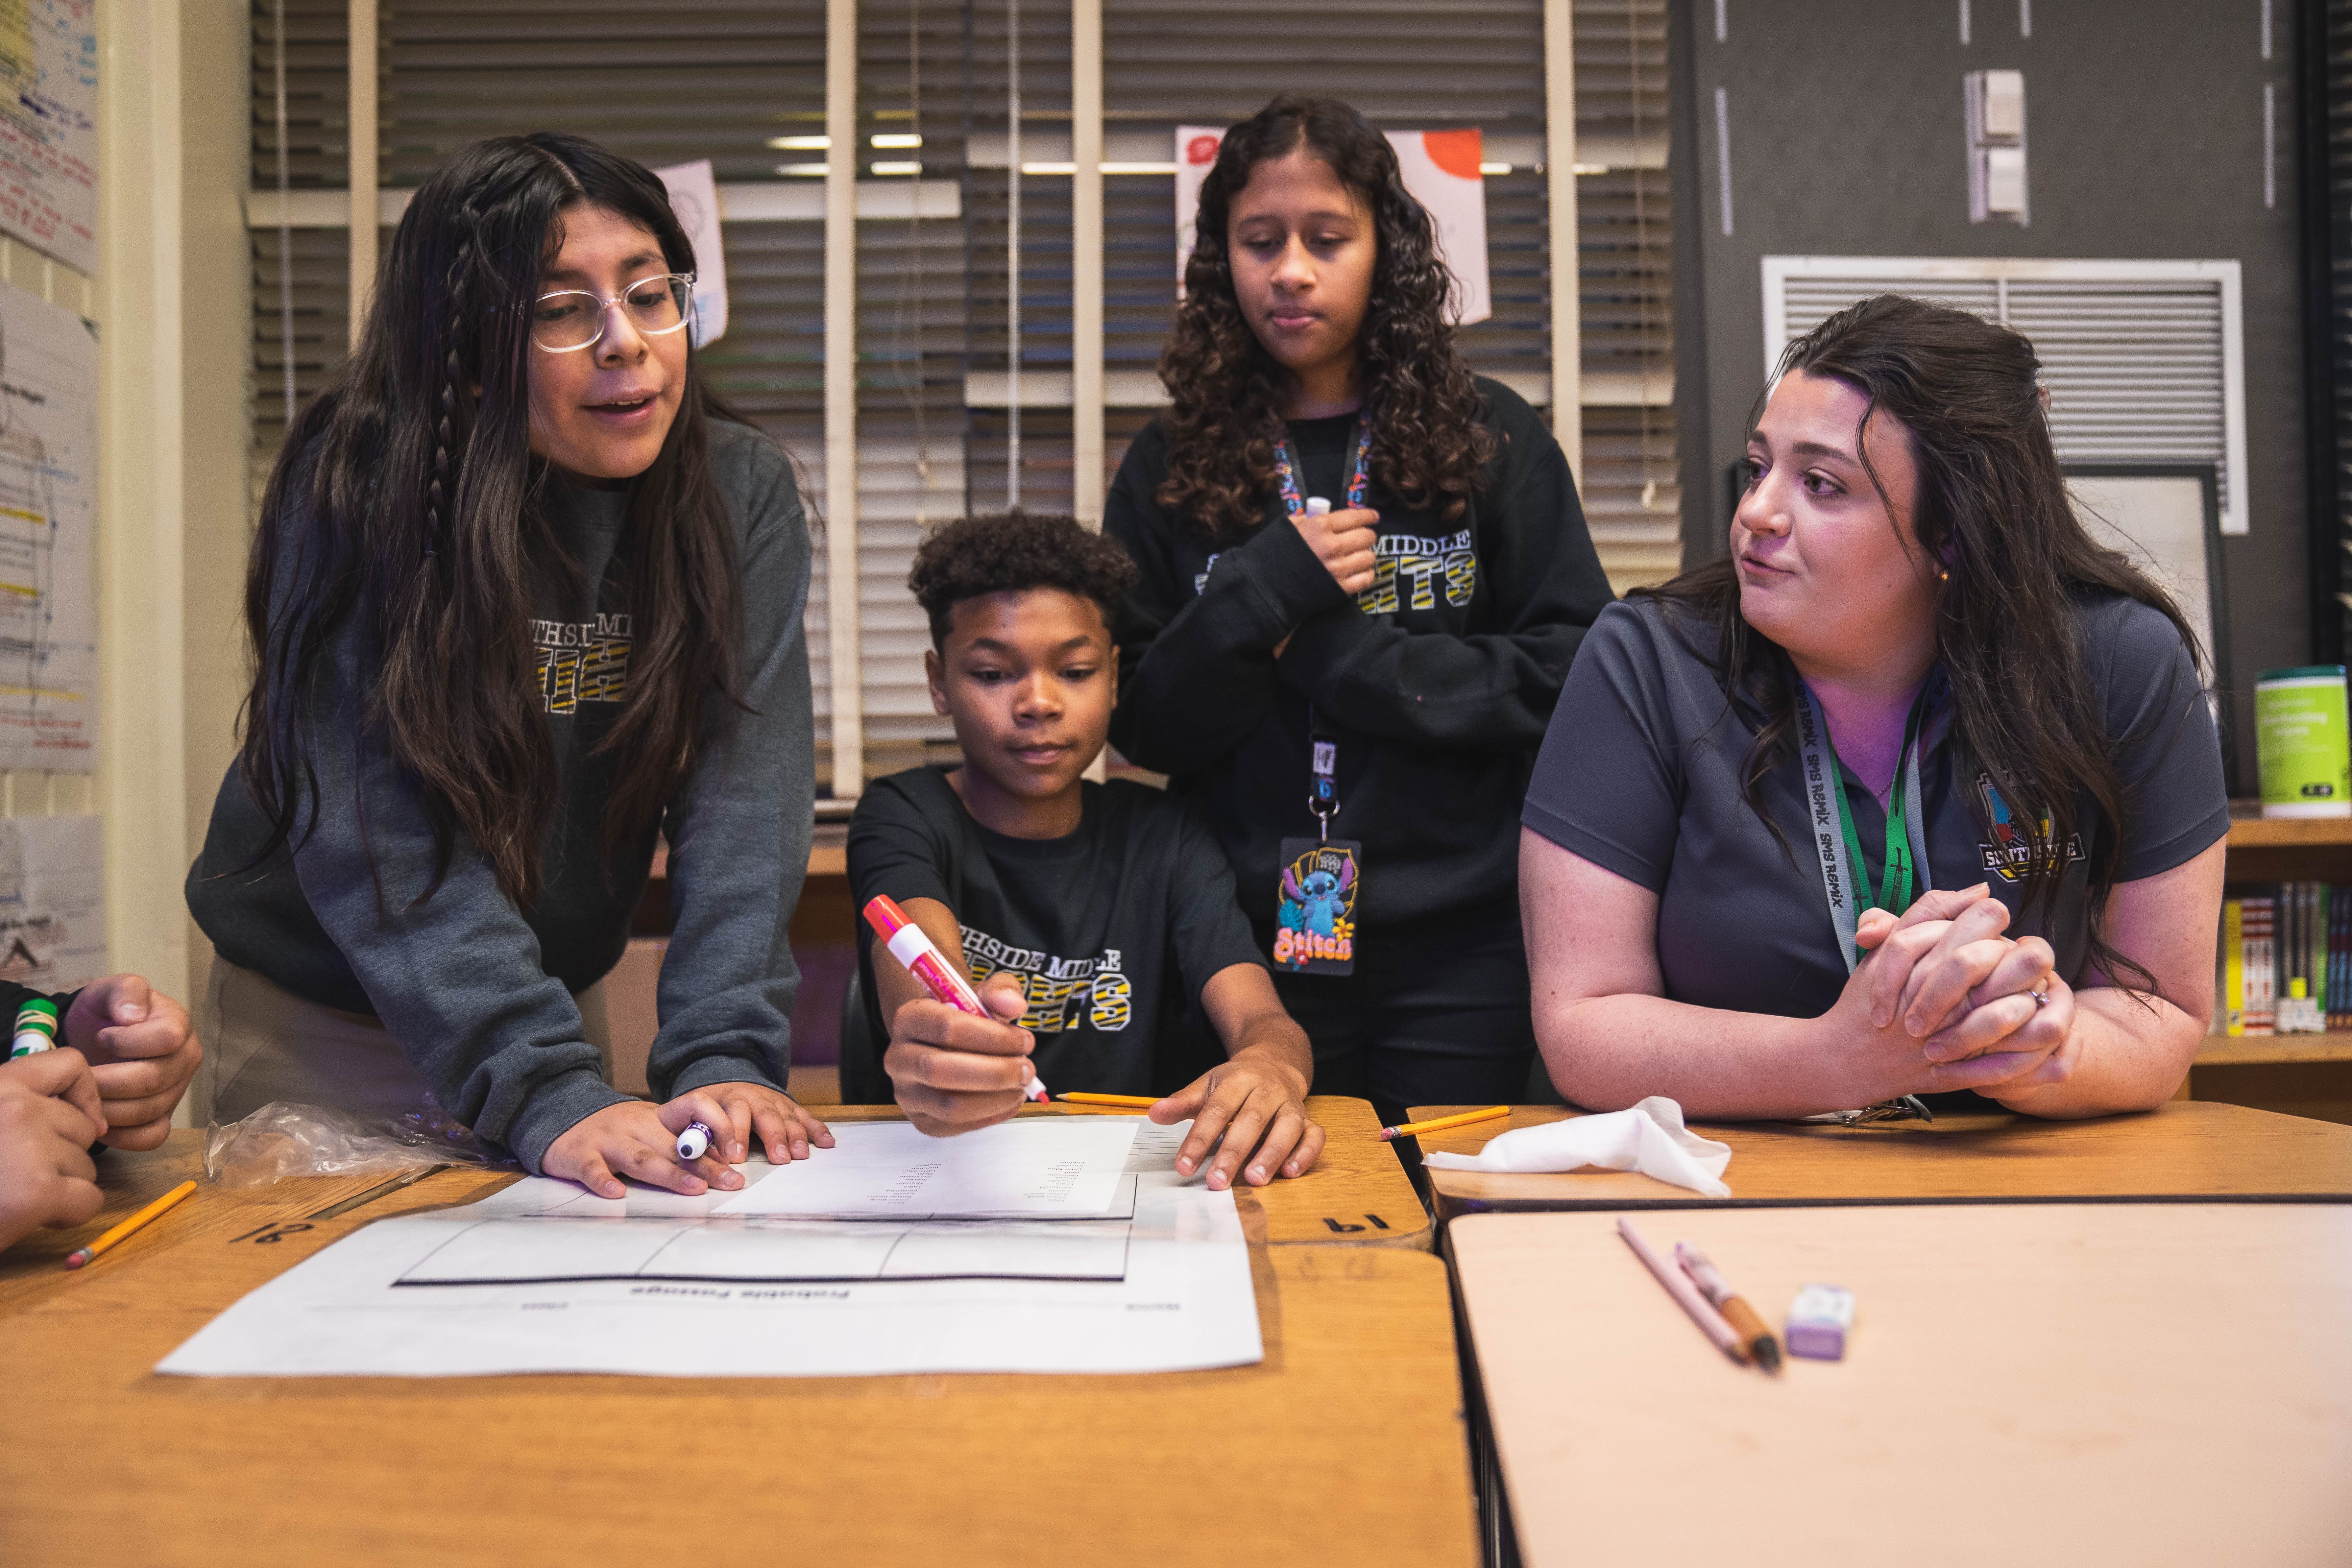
(1139,1099)
(152,1212)
(333,1210)
(1407,1130)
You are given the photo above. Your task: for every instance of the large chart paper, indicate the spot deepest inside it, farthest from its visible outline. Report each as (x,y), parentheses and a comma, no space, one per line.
(48,454)
(541,1277)
(48,127)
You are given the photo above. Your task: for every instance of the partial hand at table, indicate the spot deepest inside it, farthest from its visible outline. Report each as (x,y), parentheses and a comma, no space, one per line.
(48,1115)
(142,1054)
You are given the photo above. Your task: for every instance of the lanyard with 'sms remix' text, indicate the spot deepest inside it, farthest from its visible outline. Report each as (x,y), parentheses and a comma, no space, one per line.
(1834,838)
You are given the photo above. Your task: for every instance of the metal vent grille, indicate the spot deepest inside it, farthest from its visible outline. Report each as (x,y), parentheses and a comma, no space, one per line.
(2144,360)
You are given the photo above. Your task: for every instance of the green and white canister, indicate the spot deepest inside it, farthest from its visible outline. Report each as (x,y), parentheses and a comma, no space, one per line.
(2300,735)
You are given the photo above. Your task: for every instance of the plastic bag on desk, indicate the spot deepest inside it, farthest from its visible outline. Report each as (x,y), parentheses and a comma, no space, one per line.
(283,1139)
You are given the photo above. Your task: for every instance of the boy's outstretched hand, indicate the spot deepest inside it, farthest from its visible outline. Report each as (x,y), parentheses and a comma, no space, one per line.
(1257,1100)
(1258,1104)
(952,1072)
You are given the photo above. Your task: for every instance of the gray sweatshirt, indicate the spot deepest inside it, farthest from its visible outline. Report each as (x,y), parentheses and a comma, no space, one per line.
(479,992)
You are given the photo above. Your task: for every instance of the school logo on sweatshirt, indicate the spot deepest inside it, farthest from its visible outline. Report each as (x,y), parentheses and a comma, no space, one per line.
(1063,994)
(2009,855)
(1409,571)
(581,661)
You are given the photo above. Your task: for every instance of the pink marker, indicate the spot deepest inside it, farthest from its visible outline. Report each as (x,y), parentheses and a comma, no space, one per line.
(925,962)
(1685,1294)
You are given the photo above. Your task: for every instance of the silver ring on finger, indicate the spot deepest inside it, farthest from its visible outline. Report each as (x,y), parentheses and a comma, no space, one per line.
(2041,999)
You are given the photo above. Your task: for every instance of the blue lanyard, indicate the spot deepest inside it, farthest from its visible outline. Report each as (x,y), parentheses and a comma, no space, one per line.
(1287,469)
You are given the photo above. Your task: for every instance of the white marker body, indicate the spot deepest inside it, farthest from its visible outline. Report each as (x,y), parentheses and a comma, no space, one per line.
(1318,506)
(694,1142)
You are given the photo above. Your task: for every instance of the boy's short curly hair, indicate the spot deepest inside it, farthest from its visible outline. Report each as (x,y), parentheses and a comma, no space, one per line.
(1010,552)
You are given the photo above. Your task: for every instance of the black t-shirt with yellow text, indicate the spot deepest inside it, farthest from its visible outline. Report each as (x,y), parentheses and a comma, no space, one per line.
(1114,929)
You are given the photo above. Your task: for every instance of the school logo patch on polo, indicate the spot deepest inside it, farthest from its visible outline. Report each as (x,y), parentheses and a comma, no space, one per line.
(2009,855)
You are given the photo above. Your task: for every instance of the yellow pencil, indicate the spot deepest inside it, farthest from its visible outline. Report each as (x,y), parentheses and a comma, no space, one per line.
(152,1212)
(1139,1099)
(1440,1124)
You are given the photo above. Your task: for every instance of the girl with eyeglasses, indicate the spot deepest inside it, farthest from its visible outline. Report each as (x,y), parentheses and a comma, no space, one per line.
(524,597)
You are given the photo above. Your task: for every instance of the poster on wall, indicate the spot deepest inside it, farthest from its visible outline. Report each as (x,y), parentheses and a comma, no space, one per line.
(694,197)
(1440,168)
(49,451)
(48,127)
(52,902)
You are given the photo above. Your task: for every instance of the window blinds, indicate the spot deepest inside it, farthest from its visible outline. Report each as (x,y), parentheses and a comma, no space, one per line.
(727,79)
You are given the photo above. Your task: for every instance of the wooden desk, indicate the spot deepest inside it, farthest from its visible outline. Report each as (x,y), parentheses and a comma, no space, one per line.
(2185,1149)
(1348,1441)
(2031,1384)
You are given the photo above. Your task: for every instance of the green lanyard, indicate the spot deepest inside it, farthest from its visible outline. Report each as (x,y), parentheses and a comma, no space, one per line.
(1843,866)
(1895,881)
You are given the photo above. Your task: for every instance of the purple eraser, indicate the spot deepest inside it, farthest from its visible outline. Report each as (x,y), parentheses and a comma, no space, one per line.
(1818,1322)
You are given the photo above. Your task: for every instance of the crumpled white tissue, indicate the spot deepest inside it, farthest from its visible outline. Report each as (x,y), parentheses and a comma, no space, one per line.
(1650,1138)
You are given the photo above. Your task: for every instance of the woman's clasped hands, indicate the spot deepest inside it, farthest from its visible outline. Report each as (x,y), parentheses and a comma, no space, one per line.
(1943,1001)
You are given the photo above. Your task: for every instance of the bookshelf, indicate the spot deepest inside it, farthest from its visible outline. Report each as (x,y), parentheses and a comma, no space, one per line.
(2302,1074)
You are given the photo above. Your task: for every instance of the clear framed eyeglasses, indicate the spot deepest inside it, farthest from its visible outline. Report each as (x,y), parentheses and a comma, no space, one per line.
(571,320)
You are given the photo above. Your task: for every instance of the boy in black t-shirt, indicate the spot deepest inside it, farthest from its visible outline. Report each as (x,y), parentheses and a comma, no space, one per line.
(1092,917)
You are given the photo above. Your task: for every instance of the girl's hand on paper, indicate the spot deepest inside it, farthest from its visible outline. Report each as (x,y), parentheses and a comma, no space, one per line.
(1258,1104)
(783,1125)
(142,1054)
(952,1072)
(639,1140)
(49,1116)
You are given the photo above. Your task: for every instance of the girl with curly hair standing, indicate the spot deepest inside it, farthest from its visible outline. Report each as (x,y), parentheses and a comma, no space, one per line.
(1364,573)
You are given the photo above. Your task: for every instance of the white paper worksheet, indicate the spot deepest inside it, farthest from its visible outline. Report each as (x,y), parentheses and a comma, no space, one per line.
(1041,1168)
(542,1277)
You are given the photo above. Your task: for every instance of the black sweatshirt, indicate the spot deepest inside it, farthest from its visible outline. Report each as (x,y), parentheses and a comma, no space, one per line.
(1438,683)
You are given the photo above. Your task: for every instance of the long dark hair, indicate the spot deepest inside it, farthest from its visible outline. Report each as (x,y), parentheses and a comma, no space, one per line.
(406,505)
(1993,511)
(1431,444)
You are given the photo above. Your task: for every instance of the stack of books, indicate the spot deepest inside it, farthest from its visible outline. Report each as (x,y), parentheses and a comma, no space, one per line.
(2285,961)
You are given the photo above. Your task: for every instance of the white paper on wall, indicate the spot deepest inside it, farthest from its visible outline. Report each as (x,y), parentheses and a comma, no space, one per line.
(694,196)
(48,127)
(52,902)
(1440,168)
(48,460)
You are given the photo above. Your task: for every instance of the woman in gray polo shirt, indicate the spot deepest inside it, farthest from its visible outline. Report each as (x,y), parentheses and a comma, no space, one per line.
(1915,671)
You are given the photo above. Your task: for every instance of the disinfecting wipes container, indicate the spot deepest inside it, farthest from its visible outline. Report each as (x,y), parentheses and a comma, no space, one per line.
(2300,735)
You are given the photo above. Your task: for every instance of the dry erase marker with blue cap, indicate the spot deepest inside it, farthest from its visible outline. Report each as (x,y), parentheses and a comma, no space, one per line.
(36,1028)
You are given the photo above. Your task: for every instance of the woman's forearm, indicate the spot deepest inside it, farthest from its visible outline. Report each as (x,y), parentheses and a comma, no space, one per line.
(1606,1052)
(2132,1051)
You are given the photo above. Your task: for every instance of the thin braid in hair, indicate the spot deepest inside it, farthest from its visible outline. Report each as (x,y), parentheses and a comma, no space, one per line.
(436,494)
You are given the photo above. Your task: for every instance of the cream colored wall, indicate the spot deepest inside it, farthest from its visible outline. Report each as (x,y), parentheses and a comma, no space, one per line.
(170,297)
